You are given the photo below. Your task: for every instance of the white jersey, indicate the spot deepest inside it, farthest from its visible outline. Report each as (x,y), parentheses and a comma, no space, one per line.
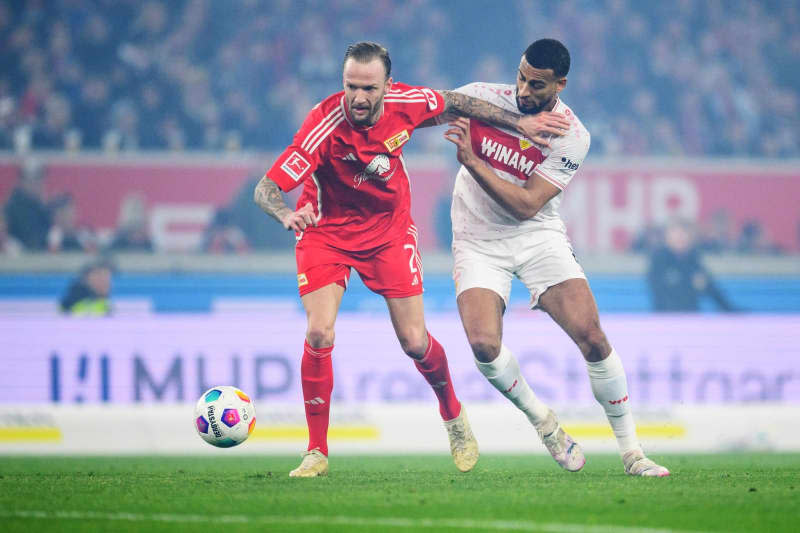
(515,159)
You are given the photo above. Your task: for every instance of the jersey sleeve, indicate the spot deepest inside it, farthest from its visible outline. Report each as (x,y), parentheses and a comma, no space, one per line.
(478,90)
(423,103)
(566,157)
(303,156)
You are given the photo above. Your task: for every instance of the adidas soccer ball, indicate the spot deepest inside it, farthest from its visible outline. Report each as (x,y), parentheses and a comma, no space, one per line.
(224,416)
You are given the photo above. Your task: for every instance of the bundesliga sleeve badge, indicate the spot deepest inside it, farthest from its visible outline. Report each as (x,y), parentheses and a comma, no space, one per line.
(295,165)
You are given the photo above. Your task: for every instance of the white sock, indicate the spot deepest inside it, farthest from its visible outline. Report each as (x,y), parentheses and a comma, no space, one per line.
(503,373)
(610,388)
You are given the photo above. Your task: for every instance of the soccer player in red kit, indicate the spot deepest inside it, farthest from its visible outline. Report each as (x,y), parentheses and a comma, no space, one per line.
(355,212)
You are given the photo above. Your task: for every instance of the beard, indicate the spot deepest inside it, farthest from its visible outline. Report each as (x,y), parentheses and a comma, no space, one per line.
(369,118)
(530,109)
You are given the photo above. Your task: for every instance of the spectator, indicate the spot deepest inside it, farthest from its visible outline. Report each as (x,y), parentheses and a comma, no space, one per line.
(26,212)
(89,293)
(9,246)
(124,132)
(91,109)
(753,240)
(133,233)
(246,215)
(677,278)
(150,113)
(52,132)
(7,114)
(223,236)
(717,234)
(648,239)
(64,235)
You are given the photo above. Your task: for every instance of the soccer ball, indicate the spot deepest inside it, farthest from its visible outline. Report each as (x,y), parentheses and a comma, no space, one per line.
(224,416)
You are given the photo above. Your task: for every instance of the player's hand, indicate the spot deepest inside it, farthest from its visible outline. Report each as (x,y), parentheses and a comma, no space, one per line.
(541,127)
(302,218)
(458,134)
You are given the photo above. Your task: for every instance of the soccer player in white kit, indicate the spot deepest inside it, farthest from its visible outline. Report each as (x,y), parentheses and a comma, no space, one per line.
(506,223)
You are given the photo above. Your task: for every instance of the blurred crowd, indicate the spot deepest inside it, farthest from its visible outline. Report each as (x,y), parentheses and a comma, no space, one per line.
(682,78)
(717,235)
(689,78)
(32,221)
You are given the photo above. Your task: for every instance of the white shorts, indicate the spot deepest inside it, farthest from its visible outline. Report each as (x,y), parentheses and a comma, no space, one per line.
(540,259)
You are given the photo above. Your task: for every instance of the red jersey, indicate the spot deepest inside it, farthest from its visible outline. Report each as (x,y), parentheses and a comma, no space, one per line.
(355,176)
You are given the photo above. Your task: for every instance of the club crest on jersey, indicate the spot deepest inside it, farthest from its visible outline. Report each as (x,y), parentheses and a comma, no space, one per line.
(396,141)
(524,144)
(376,170)
(295,166)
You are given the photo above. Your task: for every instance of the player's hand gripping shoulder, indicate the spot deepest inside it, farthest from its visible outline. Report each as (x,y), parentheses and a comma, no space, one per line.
(539,128)
(268,197)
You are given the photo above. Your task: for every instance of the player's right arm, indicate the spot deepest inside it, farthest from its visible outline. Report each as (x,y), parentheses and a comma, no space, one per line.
(269,198)
(294,166)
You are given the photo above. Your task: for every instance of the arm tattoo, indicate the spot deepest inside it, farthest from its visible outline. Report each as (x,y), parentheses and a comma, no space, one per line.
(471,107)
(269,198)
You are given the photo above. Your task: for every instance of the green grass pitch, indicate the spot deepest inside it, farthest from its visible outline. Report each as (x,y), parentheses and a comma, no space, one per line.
(724,492)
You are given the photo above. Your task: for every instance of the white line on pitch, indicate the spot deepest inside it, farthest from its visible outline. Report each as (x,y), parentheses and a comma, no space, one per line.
(433,523)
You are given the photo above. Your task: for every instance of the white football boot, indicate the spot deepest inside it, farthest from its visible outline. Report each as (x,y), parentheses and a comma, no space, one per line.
(463,445)
(636,464)
(314,464)
(566,452)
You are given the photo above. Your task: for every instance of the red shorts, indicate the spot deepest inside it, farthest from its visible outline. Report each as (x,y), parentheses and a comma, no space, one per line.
(393,270)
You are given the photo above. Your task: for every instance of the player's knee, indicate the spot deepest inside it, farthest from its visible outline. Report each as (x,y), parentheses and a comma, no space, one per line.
(485,347)
(320,336)
(593,343)
(414,342)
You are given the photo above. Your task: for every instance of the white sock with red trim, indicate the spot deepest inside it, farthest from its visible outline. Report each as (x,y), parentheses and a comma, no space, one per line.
(610,388)
(504,374)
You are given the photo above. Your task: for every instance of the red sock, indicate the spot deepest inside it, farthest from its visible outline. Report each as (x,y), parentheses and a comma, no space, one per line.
(316,373)
(433,366)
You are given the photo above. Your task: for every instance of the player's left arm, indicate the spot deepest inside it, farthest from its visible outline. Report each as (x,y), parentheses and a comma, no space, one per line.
(539,128)
(522,202)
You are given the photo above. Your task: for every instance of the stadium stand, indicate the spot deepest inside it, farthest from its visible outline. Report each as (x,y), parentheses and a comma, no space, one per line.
(120,95)
(125,75)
